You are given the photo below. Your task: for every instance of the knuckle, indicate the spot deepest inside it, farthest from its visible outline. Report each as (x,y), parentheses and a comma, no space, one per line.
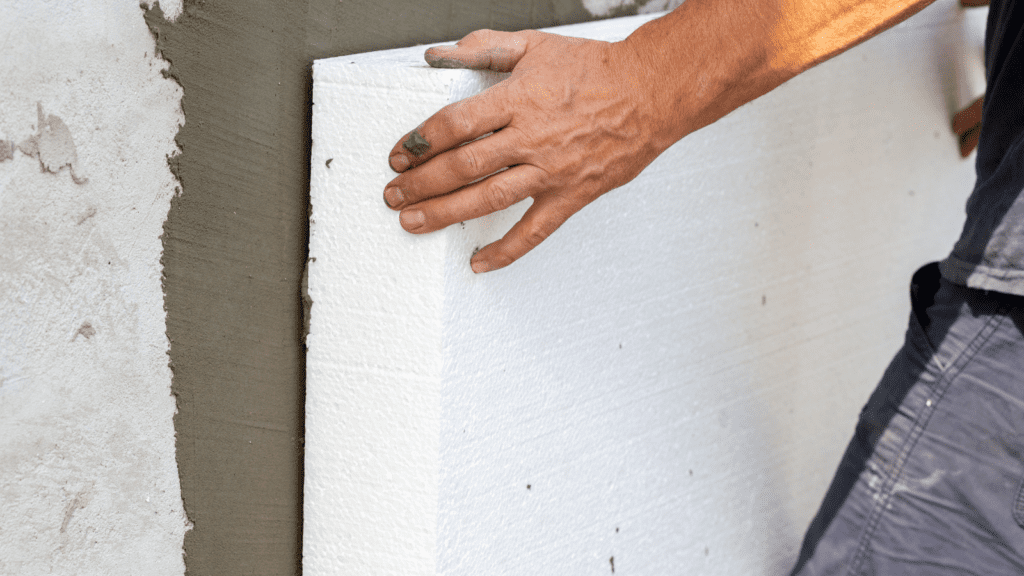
(534,234)
(480,35)
(499,196)
(466,163)
(533,36)
(457,120)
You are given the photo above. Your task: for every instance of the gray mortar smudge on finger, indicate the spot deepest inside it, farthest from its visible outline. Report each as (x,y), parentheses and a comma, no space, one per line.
(416,144)
(480,61)
(446,63)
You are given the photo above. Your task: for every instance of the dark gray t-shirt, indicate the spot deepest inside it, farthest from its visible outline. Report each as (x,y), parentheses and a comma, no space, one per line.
(990,252)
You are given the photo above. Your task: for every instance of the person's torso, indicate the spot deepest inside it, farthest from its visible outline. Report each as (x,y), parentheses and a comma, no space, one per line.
(990,252)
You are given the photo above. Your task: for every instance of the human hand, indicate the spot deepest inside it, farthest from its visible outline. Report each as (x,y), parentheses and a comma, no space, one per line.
(572,121)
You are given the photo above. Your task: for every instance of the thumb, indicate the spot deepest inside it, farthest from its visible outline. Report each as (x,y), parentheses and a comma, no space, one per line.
(481,50)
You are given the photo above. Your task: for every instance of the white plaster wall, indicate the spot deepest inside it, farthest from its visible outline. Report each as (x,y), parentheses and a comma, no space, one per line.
(668,395)
(88,478)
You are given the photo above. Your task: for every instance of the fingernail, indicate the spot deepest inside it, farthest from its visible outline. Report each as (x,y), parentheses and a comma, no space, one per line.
(393,197)
(412,220)
(479,266)
(436,57)
(399,162)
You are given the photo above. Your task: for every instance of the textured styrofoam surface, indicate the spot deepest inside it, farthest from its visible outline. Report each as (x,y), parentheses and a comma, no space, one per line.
(670,379)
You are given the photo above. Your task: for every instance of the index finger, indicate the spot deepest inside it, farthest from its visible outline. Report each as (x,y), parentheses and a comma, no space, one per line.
(475,116)
(455,124)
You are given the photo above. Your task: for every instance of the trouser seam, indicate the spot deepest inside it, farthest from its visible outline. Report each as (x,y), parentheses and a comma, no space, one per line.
(1018,504)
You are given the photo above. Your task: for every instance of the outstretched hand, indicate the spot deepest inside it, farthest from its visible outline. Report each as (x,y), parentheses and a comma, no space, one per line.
(572,121)
(577,118)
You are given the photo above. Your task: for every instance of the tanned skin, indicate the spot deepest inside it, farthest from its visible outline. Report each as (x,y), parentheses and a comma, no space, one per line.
(577,118)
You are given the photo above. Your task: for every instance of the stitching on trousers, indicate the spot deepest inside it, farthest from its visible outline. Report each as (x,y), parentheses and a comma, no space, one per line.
(955,367)
(1018,505)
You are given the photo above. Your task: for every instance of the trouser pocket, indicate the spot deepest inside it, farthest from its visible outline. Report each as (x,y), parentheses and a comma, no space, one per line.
(924,286)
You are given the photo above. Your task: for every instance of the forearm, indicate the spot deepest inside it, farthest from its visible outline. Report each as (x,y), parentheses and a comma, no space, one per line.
(708,57)
(577,118)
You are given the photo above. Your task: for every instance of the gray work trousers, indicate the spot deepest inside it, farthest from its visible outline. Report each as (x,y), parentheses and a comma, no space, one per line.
(933,481)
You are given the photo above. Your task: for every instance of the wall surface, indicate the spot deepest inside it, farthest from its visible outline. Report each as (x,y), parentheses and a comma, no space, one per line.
(235,245)
(674,391)
(88,480)
(83,349)
(84,403)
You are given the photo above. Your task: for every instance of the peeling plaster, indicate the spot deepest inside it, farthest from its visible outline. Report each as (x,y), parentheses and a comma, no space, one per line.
(52,145)
(169,9)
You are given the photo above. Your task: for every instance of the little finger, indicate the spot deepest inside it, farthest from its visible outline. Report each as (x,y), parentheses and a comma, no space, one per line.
(541,220)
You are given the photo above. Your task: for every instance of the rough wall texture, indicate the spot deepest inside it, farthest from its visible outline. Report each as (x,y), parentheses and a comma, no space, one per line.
(88,481)
(235,245)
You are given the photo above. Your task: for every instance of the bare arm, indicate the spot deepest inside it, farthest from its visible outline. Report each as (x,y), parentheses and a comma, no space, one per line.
(577,118)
